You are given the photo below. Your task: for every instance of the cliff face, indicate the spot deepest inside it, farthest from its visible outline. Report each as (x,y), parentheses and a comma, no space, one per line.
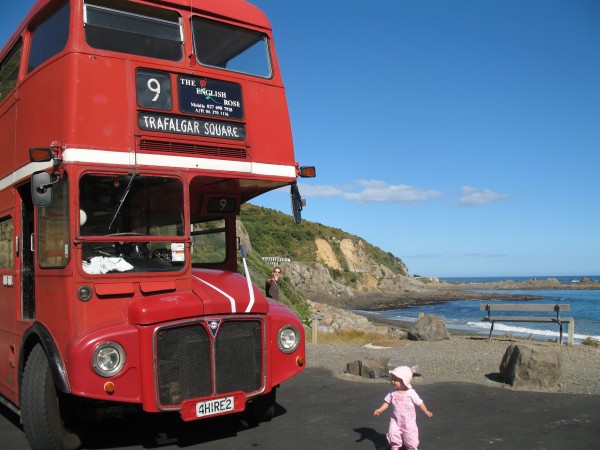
(331,265)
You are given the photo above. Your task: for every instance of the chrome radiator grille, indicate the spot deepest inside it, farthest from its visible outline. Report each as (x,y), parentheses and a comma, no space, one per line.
(192,364)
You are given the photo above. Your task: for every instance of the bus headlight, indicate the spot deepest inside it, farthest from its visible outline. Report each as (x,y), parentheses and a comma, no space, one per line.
(288,339)
(108,359)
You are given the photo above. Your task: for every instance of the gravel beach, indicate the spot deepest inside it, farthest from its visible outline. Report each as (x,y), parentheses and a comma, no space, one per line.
(469,359)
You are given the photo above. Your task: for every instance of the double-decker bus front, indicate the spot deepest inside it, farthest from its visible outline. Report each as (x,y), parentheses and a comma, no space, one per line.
(140,129)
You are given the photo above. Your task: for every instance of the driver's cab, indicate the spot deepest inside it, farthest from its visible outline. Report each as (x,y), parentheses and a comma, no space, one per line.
(131,222)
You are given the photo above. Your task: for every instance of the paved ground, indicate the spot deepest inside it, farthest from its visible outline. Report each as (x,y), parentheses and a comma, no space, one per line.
(318,411)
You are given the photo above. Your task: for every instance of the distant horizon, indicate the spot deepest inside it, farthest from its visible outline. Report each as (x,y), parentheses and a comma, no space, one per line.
(575,277)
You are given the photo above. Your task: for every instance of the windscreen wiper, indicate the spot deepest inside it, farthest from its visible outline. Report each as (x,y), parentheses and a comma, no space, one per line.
(123,197)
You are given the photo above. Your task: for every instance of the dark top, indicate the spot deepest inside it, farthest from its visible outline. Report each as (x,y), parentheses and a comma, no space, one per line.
(272,289)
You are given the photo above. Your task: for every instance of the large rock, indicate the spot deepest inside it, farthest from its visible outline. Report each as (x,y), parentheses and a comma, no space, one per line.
(369,368)
(531,365)
(429,328)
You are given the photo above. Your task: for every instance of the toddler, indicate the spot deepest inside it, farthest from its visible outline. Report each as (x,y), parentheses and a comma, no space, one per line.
(403,423)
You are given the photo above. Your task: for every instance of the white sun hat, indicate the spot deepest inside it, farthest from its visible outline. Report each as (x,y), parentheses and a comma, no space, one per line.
(404,373)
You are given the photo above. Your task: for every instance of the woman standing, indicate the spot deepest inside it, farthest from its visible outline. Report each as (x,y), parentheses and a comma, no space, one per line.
(271,286)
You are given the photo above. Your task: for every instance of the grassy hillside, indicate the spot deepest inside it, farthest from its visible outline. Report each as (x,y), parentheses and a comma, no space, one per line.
(273,233)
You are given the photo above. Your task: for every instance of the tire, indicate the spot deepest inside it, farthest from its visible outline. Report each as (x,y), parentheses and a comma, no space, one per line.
(262,409)
(40,409)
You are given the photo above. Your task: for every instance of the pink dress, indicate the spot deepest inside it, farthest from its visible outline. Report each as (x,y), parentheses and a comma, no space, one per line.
(403,423)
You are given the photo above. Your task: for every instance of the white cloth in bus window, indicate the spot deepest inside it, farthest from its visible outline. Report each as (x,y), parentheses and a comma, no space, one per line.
(102,264)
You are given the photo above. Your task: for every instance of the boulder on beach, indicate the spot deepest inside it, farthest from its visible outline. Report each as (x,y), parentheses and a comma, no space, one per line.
(430,327)
(531,365)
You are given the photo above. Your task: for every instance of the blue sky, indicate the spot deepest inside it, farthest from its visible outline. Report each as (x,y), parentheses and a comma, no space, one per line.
(462,136)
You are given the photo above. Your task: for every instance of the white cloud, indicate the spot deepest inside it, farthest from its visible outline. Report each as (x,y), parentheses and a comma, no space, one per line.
(377,191)
(470,196)
(372,191)
(307,190)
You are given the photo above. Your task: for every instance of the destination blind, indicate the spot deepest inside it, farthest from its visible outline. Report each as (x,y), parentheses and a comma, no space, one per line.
(191,126)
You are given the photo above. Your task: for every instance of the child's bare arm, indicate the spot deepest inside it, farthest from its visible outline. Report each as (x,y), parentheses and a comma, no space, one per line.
(423,408)
(381,409)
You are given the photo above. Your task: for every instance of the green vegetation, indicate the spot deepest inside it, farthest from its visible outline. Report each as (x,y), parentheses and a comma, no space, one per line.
(349,337)
(423,280)
(590,342)
(273,233)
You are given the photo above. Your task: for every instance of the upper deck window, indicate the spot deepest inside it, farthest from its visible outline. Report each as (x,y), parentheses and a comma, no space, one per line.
(9,71)
(232,48)
(50,37)
(134,29)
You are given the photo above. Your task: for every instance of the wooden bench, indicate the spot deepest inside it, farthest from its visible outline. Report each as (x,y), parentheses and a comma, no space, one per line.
(529,307)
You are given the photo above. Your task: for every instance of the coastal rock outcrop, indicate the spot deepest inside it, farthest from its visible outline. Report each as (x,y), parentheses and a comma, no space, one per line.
(330,319)
(314,281)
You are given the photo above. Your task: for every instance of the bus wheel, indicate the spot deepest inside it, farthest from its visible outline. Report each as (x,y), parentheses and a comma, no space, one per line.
(40,410)
(262,409)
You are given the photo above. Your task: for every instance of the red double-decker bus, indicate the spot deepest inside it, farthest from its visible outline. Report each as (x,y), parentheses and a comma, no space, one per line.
(130,134)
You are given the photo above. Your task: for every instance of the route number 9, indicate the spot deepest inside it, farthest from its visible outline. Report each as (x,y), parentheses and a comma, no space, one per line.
(153,89)
(154,86)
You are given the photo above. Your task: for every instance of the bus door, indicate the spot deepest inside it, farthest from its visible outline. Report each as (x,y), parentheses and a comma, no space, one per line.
(25,254)
(16,273)
(8,303)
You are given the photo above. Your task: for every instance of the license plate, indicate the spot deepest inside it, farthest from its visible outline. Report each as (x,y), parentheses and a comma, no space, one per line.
(215,406)
(199,408)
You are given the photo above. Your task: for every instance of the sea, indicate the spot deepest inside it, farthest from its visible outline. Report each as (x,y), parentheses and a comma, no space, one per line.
(465,315)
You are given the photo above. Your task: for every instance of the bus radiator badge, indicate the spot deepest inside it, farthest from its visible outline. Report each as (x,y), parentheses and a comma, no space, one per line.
(213,325)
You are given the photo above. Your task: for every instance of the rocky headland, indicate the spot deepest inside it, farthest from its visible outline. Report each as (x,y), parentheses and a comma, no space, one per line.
(391,291)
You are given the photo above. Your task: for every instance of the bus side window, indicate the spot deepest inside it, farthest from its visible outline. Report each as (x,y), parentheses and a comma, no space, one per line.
(53,228)
(209,241)
(6,243)
(49,37)
(9,70)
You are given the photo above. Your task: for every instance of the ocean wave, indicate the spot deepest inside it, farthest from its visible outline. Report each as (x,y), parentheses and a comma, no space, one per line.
(500,328)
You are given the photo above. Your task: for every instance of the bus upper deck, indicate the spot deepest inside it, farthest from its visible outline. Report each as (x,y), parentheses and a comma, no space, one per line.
(186,84)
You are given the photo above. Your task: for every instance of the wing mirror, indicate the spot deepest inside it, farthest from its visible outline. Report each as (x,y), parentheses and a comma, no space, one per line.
(297,203)
(41,188)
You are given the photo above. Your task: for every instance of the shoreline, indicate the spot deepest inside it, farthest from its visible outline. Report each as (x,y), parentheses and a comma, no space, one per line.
(442,292)
(382,302)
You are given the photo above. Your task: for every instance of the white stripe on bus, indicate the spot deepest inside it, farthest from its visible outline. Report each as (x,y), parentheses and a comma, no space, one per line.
(231,299)
(145,159)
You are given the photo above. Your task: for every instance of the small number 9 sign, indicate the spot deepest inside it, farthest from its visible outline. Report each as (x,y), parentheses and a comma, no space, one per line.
(221,205)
